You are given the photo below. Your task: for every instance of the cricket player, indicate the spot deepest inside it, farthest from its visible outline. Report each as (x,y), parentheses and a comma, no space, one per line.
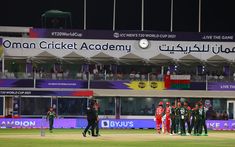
(97,118)
(158,115)
(192,120)
(50,116)
(202,119)
(91,119)
(172,115)
(188,116)
(183,112)
(177,117)
(168,117)
(195,112)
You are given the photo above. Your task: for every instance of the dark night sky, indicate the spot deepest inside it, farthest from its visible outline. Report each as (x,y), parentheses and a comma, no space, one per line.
(217,15)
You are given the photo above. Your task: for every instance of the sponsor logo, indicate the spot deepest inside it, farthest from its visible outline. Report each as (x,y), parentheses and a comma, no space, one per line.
(141,84)
(105,124)
(117,124)
(18,123)
(116,35)
(153,85)
(213,125)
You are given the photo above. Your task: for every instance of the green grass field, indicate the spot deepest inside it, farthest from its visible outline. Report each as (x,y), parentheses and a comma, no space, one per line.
(111,138)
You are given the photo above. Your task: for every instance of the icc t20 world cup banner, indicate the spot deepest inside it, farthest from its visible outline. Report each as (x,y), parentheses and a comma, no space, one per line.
(221,86)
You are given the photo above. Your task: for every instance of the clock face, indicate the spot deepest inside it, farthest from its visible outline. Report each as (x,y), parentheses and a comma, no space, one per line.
(143,43)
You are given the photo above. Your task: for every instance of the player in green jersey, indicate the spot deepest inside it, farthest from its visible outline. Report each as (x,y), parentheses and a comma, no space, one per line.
(202,119)
(195,112)
(50,116)
(177,117)
(183,113)
(187,117)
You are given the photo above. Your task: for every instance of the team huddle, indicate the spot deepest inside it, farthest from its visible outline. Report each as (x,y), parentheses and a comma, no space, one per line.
(174,119)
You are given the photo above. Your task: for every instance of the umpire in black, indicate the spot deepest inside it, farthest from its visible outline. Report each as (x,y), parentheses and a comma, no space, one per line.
(91,119)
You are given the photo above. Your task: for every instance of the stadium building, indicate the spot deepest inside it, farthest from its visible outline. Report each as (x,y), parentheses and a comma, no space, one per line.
(127,72)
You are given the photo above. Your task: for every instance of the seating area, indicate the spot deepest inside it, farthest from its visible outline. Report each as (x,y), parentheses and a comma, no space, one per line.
(60,70)
(109,76)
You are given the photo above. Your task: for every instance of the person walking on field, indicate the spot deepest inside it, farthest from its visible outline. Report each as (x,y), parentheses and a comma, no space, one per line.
(51,115)
(158,115)
(91,119)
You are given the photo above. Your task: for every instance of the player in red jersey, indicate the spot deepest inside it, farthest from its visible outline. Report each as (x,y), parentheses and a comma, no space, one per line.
(158,115)
(168,117)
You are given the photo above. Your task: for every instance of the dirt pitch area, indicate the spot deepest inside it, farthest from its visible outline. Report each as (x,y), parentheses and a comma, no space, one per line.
(119,137)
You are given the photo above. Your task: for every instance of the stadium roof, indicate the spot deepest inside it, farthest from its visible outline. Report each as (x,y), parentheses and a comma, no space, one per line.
(217,58)
(73,55)
(45,55)
(189,58)
(103,58)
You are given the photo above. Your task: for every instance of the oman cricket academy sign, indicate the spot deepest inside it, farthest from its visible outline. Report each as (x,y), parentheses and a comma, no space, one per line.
(87,48)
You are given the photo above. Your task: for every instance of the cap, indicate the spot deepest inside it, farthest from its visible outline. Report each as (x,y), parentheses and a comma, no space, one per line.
(160,103)
(167,103)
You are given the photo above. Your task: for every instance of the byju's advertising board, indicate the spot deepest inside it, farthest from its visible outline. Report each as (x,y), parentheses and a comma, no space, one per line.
(103,123)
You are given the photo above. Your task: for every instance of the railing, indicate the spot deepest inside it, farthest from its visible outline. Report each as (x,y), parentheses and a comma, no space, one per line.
(81,76)
(110,77)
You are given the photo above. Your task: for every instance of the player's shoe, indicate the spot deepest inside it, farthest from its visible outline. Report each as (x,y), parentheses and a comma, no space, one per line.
(94,135)
(83,134)
(171,134)
(187,134)
(204,135)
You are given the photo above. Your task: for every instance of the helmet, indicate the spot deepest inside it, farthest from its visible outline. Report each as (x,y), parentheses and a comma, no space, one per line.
(160,103)
(167,103)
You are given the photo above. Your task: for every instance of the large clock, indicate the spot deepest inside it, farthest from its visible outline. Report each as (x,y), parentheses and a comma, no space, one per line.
(143,43)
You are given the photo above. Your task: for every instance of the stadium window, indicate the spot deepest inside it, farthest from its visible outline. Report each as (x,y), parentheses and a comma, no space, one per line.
(34,105)
(72,106)
(107,105)
(140,106)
